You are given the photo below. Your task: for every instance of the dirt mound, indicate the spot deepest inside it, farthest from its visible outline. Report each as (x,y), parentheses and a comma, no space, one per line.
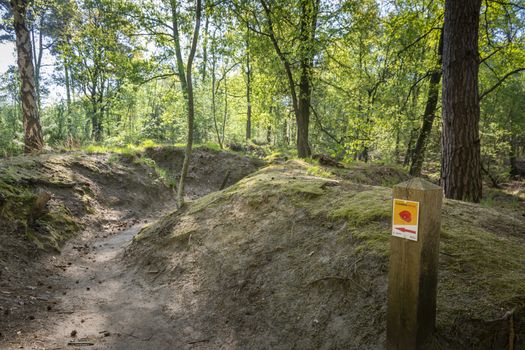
(98,194)
(80,185)
(95,191)
(288,259)
(209,169)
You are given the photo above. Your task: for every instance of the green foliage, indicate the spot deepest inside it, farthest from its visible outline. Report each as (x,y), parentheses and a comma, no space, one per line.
(116,59)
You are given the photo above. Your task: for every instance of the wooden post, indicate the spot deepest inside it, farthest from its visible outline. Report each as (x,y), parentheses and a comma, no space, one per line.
(412,275)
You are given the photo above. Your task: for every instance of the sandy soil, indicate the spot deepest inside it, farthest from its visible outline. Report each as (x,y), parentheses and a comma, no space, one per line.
(85,296)
(94,300)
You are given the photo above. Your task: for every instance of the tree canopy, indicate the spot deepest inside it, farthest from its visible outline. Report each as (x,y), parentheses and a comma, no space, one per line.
(356,80)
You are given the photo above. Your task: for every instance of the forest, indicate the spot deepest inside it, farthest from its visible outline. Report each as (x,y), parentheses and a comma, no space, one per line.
(355,80)
(213,165)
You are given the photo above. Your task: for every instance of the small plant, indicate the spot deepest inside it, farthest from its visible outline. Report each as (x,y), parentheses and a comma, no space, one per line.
(148,144)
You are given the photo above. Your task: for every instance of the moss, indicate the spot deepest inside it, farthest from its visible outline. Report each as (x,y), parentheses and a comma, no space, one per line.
(16,203)
(54,228)
(373,237)
(49,230)
(502,199)
(297,188)
(484,262)
(364,207)
(277,156)
(377,174)
(209,200)
(211,146)
(319,171)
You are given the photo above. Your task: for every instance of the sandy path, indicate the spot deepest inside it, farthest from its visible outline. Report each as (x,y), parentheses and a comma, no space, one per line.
(99,301)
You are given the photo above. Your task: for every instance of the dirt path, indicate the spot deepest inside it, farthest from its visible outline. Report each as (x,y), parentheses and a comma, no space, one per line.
(95,301)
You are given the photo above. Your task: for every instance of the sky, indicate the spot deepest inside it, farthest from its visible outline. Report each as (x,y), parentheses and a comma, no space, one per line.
(7,56)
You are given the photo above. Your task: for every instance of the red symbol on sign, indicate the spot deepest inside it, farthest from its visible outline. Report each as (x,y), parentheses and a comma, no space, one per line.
(402,229)
(406,216)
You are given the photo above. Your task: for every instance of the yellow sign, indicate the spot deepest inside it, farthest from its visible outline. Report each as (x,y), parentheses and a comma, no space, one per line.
(405,219)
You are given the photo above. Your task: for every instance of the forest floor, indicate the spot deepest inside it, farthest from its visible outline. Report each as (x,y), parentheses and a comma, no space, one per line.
(291,256)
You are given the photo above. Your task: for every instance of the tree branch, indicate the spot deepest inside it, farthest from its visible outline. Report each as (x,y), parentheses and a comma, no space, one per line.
(508,3)
(318,121)
(495,86)
(160,76)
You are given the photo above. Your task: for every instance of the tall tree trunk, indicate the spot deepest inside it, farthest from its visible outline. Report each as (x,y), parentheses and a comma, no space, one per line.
(96,122)
(178,53)
(410,147)
(301,102)
(308,25)
(38,55)
(189,86)
(68,101)
(33,139)
(513,150)
(418,155)
(205,46)
(223,132)
(248,88)
(461,165)
(214,91)
(303,117)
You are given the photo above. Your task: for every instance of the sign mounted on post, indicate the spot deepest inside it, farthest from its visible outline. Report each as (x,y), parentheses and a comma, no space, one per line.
(413,266)
(405,219)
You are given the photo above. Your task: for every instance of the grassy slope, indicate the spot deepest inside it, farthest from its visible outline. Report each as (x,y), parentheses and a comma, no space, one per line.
(482,260)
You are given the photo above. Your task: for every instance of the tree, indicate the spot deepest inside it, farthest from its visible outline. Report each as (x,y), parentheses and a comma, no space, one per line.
(33,138)
(185,76)
(100,56)
(461,164)
(309,10)
(418,155)
(248,88)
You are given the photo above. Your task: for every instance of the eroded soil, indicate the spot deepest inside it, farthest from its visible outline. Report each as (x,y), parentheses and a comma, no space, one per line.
(291,257)
(84,296)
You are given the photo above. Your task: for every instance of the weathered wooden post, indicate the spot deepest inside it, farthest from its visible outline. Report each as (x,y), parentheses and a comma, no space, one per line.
(412,275)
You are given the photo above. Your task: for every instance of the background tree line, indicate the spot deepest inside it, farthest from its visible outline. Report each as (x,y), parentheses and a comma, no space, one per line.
(360,80)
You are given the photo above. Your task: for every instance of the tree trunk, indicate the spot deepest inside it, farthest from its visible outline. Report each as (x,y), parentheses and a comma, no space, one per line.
(301,102)
(96,122)
(303,117)
(205,47)
(214,92)
(418,154)
(178,53)
(37,57)
(191,105)
(68,101)
(461,166)
(33,139)
(225,118)
(513,148)
(248,89)
(308,24)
